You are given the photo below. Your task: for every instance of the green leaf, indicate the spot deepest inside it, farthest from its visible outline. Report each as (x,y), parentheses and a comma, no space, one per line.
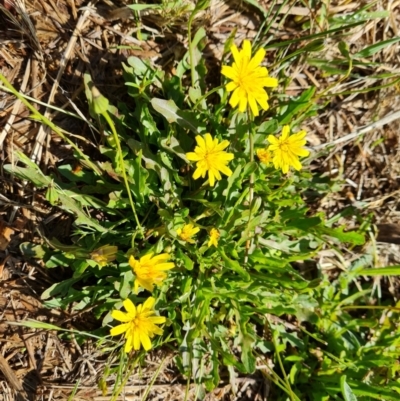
(60,289)
(141,7)
(30,250)
(350,236)
(234,265)
(295,106)
(249,168)
(32,175)
(187,262)
(34,324)
(248,359)
(375,48)
(171,112)
(344,49)
(381,271)
(126,284)
(140,175)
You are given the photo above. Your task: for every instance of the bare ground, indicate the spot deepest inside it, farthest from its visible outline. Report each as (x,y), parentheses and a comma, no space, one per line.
(46,46)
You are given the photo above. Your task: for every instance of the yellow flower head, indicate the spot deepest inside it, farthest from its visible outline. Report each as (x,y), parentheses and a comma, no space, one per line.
(150,271)
(211,158)
(248,79)
(138,324)
(214,236)
(187,231)
(104,255)
(264,155)
(287,149)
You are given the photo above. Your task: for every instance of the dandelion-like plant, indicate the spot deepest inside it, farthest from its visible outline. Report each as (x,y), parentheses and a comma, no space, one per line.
(139,323)
(287,149)
(264,155)
(248,79)
(150,270)
(211,158)
(187,232)
(214,237)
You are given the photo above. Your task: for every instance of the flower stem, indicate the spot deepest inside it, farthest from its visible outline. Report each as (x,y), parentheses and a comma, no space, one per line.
(249,242)
(122,166)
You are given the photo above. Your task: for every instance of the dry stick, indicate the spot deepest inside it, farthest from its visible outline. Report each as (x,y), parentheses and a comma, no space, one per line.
(383,121)
(17,105)
(10,375)
(44,130)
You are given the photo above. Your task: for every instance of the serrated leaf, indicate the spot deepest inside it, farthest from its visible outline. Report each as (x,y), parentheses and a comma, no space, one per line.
(234,265)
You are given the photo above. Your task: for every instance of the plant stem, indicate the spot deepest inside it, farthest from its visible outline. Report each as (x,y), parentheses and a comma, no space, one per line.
(121,161)
(249,242)
(290,392)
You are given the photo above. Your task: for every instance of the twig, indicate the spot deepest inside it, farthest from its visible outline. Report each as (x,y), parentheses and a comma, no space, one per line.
(377,124)
(44,130)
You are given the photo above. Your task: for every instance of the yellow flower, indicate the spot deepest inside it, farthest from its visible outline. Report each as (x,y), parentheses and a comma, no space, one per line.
(187,231)
(211,158)
(104,255)
(138,324)
(150,271)
(248,79)
(287,149)
(214,236)
(264,155)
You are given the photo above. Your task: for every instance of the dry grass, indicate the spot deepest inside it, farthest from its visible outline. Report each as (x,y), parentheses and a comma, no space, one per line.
(45,47)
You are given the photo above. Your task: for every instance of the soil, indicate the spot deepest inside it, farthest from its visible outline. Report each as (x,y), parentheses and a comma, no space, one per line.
(47,46)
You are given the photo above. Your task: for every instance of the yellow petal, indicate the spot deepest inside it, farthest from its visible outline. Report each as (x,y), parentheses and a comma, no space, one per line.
(270,82)
(146,258)
(285,132)
(257,59)
(161,257)
(234,100)
(130,307)
(157,319)
(198,173)
(193,156)
(136,340)
(121,316)
(235,53)
(149,303)
(242,102)
(253,106)
(226,170)
(246,49)
(272,140)
(122,328)
(229,72)
(211,178)
(209,142)
(200,141)
(128,344)
(231,86)
(145,340)
(165,266)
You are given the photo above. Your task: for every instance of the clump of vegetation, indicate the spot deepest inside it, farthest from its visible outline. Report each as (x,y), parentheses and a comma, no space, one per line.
(205,233)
